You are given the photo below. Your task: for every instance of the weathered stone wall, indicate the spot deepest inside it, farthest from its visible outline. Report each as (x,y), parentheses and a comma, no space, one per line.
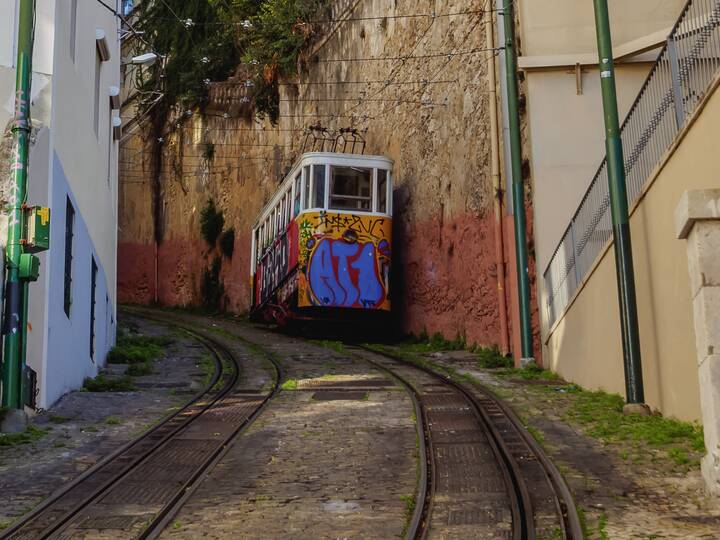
(437,133)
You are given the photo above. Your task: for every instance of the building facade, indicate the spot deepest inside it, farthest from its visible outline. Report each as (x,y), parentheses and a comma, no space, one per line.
(73,170)
(666,68)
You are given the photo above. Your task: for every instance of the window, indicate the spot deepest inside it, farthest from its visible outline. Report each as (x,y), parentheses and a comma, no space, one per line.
(298,193)
(73,27)
(382,187)
(93,287)
(306,195)
(350,188)
(96,103)
(318,186)
(69,226)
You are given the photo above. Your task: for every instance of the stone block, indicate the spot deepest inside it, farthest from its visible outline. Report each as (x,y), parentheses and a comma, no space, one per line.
(696,205)
(709,378)
(703,249)
(14,421)
(706,310)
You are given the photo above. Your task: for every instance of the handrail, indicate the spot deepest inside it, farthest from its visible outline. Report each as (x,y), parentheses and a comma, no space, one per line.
(676,84)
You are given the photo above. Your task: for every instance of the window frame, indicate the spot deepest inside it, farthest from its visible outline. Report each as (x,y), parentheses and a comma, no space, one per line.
(69,247)
(93,294)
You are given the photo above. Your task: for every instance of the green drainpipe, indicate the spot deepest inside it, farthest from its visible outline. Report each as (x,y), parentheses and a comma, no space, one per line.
(619,210)
(14,321)
(518,187)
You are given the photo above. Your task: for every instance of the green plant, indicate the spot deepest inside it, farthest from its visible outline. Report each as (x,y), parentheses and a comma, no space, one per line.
(491,358)
(268,35)
(227,242)
(139,370)
(113,420)
(409,501)
(137,348)
(57,419)
(290,384)
(212,287)
(31,434)
(211,223)
(101,383)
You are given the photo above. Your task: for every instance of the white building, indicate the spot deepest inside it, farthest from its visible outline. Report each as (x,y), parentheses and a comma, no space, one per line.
(73,170)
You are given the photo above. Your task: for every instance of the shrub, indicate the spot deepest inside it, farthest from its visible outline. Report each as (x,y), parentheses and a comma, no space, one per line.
(211,223)
(227,243)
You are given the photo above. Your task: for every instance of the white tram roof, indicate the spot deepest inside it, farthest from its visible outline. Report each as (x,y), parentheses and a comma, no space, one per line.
(325,158)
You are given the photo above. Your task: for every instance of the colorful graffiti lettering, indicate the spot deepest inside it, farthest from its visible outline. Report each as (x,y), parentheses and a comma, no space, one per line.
(344,261)
(345,275)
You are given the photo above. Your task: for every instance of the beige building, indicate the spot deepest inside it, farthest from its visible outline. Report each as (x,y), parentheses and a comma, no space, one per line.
(667,79)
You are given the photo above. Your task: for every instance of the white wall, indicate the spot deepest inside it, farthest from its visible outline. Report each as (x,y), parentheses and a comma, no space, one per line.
(42,59)
(82,153)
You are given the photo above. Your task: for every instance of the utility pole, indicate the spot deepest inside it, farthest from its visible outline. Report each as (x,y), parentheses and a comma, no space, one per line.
(619,211)
(518,187)
(16,288)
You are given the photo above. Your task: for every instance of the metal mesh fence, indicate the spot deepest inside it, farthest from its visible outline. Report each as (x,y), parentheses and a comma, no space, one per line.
(675,86)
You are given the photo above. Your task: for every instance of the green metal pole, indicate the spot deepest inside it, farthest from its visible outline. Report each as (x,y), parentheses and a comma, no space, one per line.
(518,187)
(619,210)
(14,302)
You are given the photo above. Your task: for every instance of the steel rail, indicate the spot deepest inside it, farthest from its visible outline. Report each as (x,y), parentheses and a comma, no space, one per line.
(166,515)
(417,527)
(219,352)
(58,494)
(572,528)
(520,503)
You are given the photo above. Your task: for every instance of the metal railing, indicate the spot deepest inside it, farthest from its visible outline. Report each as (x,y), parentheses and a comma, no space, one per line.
(675,86)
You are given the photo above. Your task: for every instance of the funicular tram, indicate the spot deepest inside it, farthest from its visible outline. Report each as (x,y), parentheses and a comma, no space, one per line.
(321,247)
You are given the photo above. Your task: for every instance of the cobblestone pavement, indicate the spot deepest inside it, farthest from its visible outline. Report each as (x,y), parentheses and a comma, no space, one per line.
(83,427)
(643,498)
(311,467)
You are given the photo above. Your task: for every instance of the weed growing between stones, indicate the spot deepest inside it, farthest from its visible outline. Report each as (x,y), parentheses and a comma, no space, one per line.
(57,419)
(137,348)
(113,420)
(139,370)
(101,383)
(328,344)
(207,365)
(290,384)
(30,435)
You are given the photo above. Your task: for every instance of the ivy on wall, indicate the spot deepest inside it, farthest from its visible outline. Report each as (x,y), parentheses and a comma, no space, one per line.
(206,40)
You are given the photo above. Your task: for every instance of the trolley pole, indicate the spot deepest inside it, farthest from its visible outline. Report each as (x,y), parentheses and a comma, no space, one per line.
(619,210)
(15,291)
(518,187)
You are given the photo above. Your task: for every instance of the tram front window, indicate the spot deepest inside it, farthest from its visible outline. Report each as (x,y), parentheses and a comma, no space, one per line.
(351,188)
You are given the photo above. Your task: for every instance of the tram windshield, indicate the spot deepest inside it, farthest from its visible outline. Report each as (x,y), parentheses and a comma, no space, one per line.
(350,188)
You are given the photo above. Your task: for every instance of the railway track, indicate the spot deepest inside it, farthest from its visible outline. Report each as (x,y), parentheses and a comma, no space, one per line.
(482,474)
(136,491)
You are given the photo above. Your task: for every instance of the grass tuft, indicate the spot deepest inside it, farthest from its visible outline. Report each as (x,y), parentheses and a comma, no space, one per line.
(31,434)
(290,384)
(138,370)
(137,348)
(101,383)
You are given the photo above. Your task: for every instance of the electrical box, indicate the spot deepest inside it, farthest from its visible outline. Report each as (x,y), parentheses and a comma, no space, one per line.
(37,229)
(29,267)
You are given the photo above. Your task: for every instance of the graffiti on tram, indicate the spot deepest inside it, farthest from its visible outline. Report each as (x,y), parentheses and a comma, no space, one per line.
(274,265)
(344,260)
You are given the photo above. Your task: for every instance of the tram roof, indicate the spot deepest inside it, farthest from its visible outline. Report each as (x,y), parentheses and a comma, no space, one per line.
(330,158)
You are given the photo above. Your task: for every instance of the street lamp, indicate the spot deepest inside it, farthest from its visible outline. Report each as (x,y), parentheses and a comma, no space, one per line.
(147,59)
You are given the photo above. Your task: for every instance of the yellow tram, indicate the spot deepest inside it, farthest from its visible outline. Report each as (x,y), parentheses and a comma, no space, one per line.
(321,247)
